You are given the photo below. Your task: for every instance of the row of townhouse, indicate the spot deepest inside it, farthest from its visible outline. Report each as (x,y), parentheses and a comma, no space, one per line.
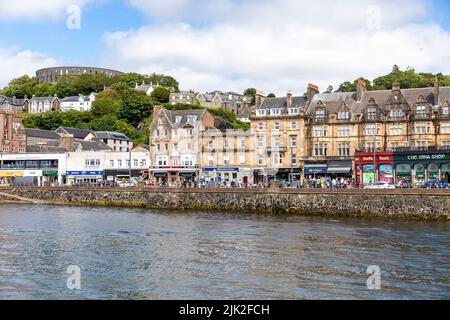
(239,104)
(47,104)
(312,135)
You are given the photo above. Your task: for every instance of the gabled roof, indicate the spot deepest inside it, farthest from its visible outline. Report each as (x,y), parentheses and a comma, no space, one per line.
(76,98)
(42,99)
(92,145)
(77,133)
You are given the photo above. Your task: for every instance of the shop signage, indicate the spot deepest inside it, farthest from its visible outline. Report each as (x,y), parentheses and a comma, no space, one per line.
(423,157)
(11,173)
(221,169)
(84,173)
(32,173)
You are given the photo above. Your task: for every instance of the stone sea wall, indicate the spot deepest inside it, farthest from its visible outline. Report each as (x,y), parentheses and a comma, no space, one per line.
(412,204)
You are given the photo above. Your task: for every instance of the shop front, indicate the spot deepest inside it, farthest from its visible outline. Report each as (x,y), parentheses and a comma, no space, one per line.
(121,175)
(84,177)
(227,176)
(173,175)
(8,177)
(422,166)
(339,169)
(289,174)
(368,169)
(315,170)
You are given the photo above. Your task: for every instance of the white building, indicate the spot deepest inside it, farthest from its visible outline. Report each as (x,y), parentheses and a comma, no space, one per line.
(80,103)
(96,166)
(37,168)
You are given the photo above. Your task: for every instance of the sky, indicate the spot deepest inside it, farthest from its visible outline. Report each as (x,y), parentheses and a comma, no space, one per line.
(228,45)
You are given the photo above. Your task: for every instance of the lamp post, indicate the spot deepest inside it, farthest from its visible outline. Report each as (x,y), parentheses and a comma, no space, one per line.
(129,167)
(374,155)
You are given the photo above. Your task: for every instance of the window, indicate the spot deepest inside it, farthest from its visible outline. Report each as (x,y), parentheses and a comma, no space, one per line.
(343,132)
(242,143)
(260,142)
(261,112)
(260,126)
(445,128)
(260,160)
(276,126)
(370,146)
(276,142)
(111,163)
(210,144)
(293,110)
(372,130)
(372,113)
(320,149)
(175,147)
(242,159)
(320,114)
(135,163)
(421,110)
(396,129)
(396,113)
(293,159)
(162,161)
(344,149)
(227,144)
(294,125)
(421,128)
(343,115)
(189,132)
(275,112)
(158,147)
(446,144)
(226,161)
(422,144)
(320,131)
(294,141)
(445,110)
(119,163)
(210,161)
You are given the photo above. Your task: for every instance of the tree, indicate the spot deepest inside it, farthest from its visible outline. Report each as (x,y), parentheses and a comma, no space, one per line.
(329,89)
(45,90)
(251,92)
(104,105)
(66,86)
(20,87)
(128,79)
(160,94)
(271,95)
(136,106)
(163,80)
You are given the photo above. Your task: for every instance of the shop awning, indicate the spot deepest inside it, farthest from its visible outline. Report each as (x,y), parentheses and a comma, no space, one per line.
(315,168)
(339,167)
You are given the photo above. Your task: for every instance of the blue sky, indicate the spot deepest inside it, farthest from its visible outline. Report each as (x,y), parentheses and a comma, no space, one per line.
(230,44)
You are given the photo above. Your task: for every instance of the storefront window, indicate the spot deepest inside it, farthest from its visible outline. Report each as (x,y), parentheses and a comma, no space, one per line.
(403,172)
(368,174)
(419,168)
(433,171)
(386,173)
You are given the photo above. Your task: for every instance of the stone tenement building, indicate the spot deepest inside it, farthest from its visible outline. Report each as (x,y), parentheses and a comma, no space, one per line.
(53,74)
(331,127)
(12,133)
(240,105)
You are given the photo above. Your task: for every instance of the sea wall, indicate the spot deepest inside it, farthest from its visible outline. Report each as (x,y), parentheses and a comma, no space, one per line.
(412,204)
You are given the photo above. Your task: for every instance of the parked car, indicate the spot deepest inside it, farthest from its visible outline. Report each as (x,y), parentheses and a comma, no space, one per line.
(380,185)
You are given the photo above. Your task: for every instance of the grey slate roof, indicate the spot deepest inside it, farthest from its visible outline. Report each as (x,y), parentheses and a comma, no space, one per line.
(75,99)
(42,99)
(77,133)
(111,135)
(91,145)
(281,103)
(43,134)
(172,116)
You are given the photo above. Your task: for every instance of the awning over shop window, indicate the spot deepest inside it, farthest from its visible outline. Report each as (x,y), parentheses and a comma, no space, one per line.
(339,167)
(315,168)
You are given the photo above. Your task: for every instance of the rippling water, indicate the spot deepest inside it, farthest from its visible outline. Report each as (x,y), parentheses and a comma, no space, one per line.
(147,254)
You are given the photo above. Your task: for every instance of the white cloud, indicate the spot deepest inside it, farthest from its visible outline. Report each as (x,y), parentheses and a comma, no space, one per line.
(280,44)
(18,63)
(38,9)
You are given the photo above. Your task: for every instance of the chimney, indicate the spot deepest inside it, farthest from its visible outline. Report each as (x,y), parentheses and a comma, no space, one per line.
(436,91)
(289,99)
(396,86)
(360,88)
(259,97)
(66,141)
(311,91)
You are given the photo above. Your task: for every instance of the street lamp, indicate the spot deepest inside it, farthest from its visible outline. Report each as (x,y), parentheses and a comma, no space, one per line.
(374,155)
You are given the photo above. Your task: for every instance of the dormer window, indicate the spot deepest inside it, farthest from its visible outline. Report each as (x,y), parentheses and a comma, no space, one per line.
(191,119)
(320,114)
(294,110)
(343,115)
(445,111)
(371,113)
(261,112)
(178,119)
(275,112)
(421,110)
(396,113)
